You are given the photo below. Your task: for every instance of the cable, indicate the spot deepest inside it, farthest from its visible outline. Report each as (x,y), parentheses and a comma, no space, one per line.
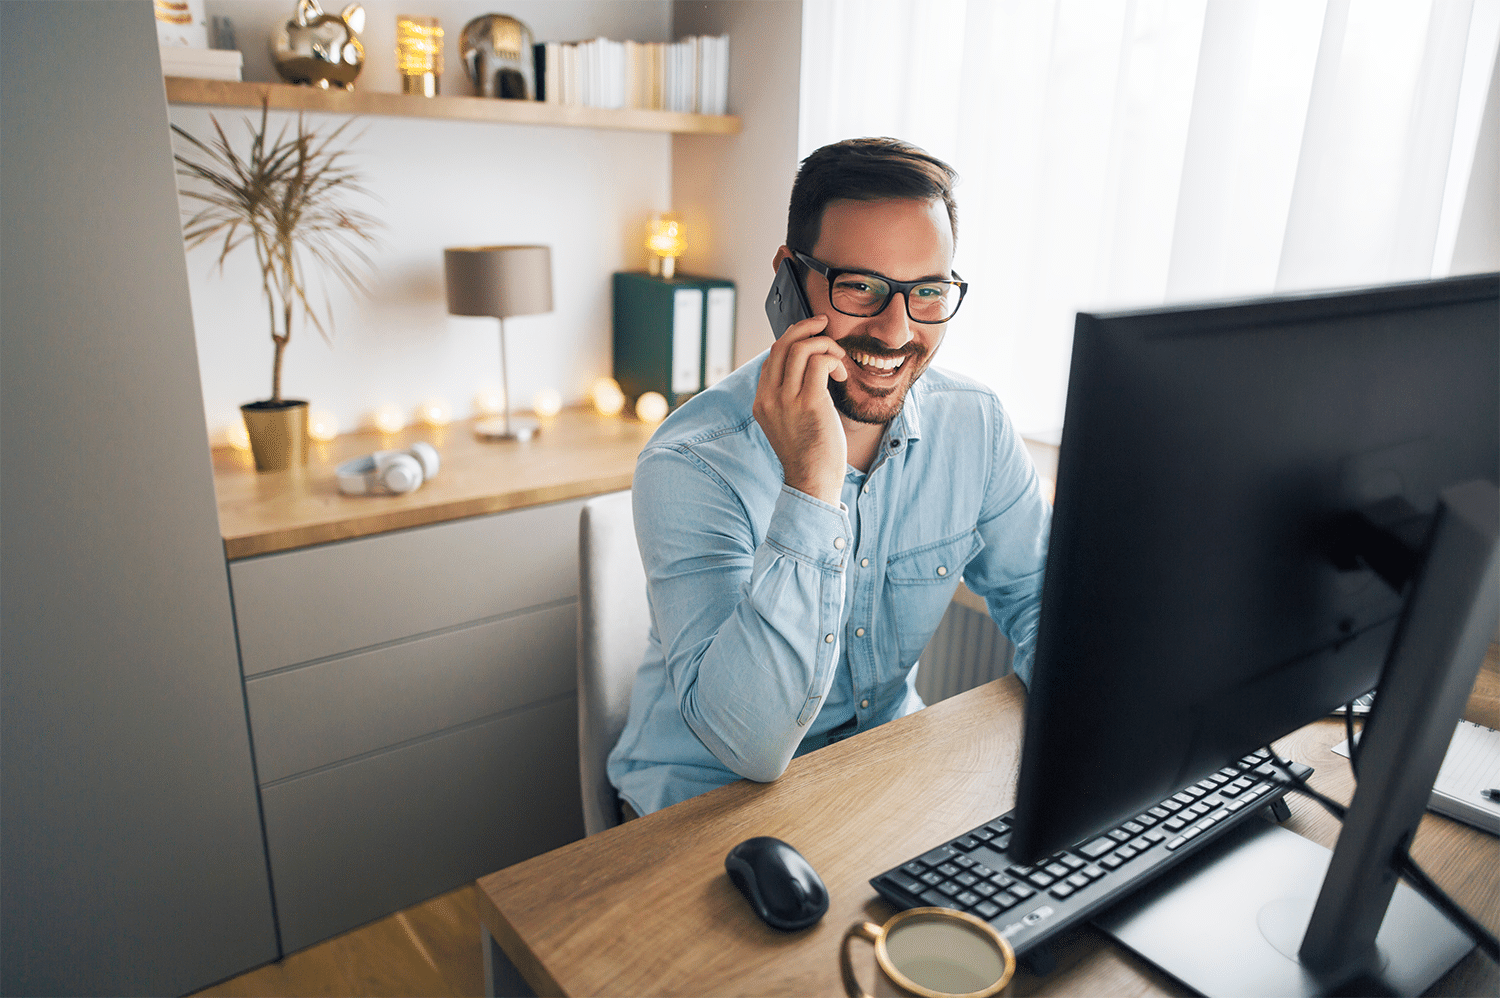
(1405,865)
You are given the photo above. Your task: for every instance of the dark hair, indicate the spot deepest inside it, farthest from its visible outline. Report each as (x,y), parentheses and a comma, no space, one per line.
(868,169)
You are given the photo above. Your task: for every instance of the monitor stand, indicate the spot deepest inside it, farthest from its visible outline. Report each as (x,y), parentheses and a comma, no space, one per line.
(1274,914)
(1230,920)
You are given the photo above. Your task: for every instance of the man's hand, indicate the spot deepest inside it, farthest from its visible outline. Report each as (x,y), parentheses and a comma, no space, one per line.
(796,413)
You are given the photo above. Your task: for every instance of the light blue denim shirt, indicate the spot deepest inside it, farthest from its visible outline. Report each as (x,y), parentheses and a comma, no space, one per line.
(780,623)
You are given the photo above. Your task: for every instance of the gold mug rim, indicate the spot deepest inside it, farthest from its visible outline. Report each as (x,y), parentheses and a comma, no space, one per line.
(877,934)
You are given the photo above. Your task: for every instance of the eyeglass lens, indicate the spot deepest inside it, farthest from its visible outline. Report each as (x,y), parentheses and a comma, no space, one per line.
(866,295)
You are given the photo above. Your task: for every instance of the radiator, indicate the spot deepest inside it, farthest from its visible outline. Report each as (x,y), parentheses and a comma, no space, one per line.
(967,650)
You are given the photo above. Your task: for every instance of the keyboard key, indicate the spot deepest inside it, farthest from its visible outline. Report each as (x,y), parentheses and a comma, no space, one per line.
(1191,833)
(1098,847)
(949,888)
(1182,798)
(1208,785)
(967,879)
(1173,804)
(1000,843)
(907,884)
(1057,870)
(1092,872)
(963,862)
(1194,791)
(938,856)
(1019,870)
(1158,812)
(1070,861)
(1155,835)
(1003,882)
(980,870)
(935,900)
(1234,805)
(1111,862)
(968,899)
(966,842)
(914,869)
(985,889)
(982,834)
(987,909)
(1140,844)
(1219,779)
(1003,900)
(1229,772)
(1041,879)
(948,869)
(1078,880)
(1174,824)
(1146,820)
(1178,841)
(1021,890)
(1062,890)
(1133,828)
(1119,835)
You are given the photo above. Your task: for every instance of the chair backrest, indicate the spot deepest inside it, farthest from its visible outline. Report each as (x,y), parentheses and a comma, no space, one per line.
(614,624)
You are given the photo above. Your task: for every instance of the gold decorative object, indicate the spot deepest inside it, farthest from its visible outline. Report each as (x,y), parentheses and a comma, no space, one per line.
(419,54)
(666,241)
(319,49)
(278,433)
(282,197)
(497,54)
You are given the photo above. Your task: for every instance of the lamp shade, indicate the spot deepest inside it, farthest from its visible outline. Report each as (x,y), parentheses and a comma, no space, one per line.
(501,281)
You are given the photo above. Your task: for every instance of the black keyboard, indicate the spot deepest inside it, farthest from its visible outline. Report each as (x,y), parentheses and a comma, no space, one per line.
(1031,904)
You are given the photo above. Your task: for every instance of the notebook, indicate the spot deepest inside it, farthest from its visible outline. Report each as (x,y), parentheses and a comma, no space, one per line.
(1471,766)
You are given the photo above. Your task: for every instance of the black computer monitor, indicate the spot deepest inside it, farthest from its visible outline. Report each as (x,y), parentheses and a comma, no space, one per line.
(1207,590)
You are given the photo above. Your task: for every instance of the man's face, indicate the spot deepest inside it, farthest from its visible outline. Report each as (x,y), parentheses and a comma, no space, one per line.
(906,240)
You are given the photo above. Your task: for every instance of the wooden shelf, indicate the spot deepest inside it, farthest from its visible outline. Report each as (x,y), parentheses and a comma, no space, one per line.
(285,97)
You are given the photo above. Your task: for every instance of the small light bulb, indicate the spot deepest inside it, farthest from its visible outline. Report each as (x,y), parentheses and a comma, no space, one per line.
(651,408)
(547,402)
(489,401)
(435,413)
(390,419)
(322,426)
(237,436)
(607,397)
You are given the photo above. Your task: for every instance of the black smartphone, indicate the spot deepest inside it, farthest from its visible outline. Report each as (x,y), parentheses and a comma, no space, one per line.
(786,303)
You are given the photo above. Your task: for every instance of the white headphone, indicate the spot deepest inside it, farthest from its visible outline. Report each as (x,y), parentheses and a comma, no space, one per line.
(392,471)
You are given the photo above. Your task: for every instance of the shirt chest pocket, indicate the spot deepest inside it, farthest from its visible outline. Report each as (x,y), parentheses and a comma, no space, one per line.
(919,585)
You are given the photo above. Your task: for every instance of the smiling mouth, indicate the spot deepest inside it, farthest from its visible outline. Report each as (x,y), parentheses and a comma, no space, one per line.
(879,365)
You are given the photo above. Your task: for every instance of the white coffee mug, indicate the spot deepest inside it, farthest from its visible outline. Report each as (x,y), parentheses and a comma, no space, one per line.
(932,953)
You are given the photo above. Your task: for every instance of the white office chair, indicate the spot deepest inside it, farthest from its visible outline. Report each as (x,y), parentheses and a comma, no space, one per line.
(614,623)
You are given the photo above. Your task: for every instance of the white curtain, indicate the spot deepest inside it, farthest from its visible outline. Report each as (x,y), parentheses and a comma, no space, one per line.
(1117,153)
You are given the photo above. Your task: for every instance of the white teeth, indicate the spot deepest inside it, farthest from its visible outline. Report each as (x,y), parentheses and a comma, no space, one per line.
(878,363)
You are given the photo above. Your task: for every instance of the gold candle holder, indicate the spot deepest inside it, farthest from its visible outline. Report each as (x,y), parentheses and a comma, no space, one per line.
(419,53)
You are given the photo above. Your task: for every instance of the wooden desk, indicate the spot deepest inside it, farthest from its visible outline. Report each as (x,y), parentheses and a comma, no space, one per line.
(646,908)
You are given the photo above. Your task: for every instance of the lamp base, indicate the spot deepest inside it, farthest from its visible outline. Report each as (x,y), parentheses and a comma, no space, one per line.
(495,429)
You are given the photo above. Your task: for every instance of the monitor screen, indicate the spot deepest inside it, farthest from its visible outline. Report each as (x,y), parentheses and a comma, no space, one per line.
(1192,609)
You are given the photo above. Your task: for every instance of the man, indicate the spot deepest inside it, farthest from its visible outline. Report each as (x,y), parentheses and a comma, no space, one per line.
(805,523)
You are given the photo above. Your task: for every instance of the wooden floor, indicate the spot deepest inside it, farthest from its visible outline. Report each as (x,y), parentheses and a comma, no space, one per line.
(431,949)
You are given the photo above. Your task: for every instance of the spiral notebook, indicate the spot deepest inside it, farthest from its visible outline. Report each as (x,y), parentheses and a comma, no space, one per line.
(1471,766)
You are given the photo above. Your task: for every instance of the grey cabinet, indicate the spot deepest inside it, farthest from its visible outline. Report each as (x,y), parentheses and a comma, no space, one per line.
(413,710)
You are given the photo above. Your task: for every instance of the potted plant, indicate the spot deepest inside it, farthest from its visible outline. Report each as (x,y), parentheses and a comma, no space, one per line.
(283,197)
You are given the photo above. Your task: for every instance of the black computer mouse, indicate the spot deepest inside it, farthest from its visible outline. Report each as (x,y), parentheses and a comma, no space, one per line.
(782,887)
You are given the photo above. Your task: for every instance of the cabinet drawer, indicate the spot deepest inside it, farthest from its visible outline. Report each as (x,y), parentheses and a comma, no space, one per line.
(357,842)
(335,598)
(318,714)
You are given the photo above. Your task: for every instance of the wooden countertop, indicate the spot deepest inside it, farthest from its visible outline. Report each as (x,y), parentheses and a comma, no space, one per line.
(577,453)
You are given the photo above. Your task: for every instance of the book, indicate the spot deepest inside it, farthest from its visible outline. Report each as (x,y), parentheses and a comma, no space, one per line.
(1471,766)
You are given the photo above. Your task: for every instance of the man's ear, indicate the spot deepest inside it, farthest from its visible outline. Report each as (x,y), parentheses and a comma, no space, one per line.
(781,254)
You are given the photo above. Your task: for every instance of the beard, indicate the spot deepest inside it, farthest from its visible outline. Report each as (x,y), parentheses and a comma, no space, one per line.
(878,406)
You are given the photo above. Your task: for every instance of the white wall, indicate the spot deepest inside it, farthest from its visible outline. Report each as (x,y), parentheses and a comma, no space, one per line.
(732,192)
(441,183)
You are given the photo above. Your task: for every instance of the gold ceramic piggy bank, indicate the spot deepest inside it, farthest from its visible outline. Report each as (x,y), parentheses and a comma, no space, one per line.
(320,49)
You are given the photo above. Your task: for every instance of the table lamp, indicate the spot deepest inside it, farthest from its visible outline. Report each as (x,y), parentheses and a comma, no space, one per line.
(501,281)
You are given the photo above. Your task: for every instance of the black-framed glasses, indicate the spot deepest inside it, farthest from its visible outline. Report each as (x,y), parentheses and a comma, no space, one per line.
(863,294)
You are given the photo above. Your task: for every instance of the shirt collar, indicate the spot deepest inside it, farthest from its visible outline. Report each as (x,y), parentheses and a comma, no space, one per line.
(907,426)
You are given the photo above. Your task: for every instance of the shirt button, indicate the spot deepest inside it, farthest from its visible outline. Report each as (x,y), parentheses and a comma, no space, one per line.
(866,489)
(864,563)
(864,705)
(859,632)
(838,542)
(942,570)
(828,639)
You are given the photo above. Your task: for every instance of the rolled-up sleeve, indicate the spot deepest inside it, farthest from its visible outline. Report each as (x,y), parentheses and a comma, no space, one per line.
(749,627)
